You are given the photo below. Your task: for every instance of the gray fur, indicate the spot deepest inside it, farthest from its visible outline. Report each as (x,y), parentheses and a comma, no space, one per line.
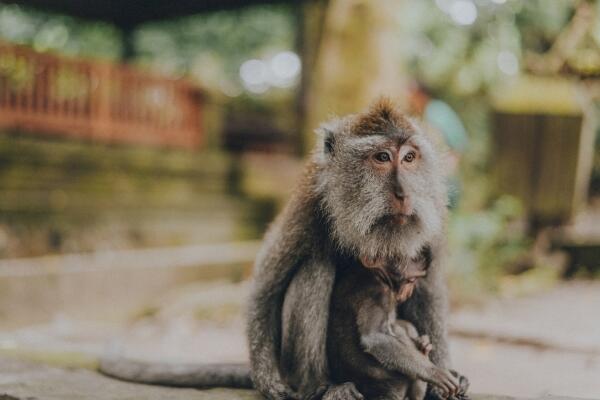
(339,209)
(178,375)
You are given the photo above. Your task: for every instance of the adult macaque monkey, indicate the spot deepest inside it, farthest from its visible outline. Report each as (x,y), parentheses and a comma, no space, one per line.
(373,189)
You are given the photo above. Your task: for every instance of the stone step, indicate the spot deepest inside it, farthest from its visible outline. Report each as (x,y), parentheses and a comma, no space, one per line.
(110,285)
(60,196)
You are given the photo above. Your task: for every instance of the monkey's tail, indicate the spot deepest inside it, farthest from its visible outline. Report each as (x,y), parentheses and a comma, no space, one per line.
(177,375)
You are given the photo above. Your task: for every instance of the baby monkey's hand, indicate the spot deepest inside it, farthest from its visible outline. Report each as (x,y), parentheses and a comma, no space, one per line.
(424,345)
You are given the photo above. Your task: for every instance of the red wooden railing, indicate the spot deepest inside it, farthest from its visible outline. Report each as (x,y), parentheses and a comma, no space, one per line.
(52,95)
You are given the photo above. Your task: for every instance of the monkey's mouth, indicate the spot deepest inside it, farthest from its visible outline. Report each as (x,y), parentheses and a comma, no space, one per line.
(390,222)
(403,219)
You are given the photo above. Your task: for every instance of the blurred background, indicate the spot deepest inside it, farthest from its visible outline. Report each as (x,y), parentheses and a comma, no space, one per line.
(145,147)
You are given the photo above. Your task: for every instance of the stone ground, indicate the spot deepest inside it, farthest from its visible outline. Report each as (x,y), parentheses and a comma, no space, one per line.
(543,344)
(21,380)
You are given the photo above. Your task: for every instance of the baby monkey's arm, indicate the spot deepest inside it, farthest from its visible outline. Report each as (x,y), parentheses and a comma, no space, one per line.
(398,353)
(423,342)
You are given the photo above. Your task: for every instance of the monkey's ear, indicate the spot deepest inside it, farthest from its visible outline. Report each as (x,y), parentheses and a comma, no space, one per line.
(328,141)
(326,137)
(371,263)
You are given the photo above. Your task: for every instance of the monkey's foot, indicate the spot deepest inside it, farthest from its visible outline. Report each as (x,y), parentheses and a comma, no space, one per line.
(345,391)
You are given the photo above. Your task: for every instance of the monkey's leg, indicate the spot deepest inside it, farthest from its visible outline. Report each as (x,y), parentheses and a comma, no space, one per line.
(263,333)
(273,270)
(407,360)
(407,332)
(304,327)
(394,349)
(403,327)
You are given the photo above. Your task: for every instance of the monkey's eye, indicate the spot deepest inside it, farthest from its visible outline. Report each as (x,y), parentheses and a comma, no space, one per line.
(383,156)
(409,157)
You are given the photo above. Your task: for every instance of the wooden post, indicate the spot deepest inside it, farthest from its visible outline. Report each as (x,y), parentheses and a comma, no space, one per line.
(356,62)
(100,118)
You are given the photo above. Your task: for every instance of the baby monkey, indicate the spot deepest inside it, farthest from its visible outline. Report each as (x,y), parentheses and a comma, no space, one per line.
(384,357)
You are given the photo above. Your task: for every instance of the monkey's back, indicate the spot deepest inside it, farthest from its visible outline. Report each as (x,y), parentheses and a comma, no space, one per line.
(357,288)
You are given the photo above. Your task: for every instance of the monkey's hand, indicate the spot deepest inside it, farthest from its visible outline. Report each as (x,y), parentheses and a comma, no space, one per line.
(424,344)
(446,383)
(436,393)
(345,391)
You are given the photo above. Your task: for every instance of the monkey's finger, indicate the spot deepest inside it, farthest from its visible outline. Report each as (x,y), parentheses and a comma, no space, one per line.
(456,383)
(450,384)
(444,386)
(439,393)
(454,380)
(450,387)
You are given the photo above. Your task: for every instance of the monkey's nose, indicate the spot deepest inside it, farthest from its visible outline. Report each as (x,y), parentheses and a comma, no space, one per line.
(401,201)
(399,193)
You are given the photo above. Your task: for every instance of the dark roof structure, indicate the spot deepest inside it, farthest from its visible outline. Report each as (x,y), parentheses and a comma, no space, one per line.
(127,14)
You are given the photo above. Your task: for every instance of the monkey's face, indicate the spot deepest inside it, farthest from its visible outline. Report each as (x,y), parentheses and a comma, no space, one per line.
(411,274)
(383,190)
(405,272)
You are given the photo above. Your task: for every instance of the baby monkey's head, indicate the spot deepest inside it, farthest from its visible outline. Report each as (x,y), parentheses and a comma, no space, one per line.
(401,275)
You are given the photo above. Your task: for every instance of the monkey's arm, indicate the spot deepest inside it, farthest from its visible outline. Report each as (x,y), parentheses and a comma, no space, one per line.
(273,270)
(284,251)
(398,353)
(405,328)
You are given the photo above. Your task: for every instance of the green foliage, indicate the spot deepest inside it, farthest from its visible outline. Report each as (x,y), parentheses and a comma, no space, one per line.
(460,60)
(485,244)
(211,47)
(46,32)
(463,63)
